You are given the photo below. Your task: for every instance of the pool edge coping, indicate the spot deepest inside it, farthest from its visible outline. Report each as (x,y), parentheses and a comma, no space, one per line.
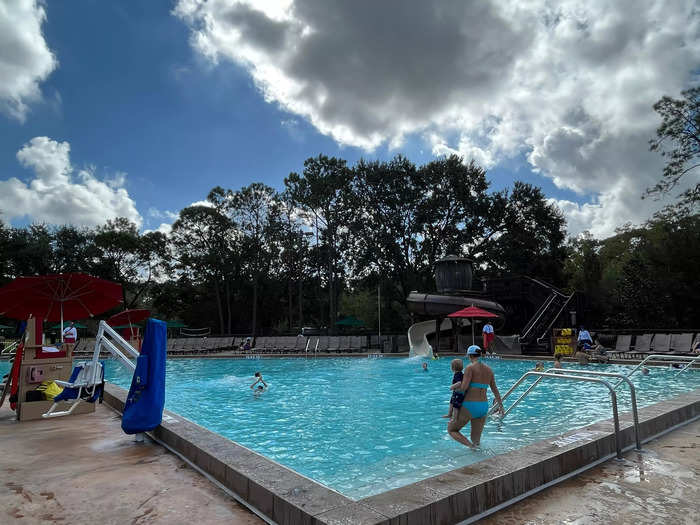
(279,494)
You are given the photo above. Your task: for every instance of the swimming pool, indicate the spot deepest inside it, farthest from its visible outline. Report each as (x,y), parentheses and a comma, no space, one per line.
(364,426)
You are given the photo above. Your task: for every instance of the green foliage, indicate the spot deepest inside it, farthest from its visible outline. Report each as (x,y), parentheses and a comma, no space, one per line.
(642,277)
(255,259)
(678,141)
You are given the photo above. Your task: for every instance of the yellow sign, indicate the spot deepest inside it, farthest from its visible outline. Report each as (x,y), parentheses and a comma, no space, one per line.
(564,341)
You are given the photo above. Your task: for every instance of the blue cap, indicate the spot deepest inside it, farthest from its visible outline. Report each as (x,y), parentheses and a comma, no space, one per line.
(473,350)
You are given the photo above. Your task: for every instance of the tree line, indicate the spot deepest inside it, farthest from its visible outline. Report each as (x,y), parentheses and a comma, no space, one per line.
(335,237)
(258,259)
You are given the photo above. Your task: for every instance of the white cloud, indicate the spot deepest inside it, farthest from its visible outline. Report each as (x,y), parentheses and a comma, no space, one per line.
(569,84)
(25,58)
(58,194)
(167,227)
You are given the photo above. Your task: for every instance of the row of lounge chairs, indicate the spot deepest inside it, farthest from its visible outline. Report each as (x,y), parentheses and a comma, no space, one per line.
(638,347)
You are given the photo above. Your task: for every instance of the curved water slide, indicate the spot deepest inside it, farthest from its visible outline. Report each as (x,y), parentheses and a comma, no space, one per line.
(418,337)
(438,307)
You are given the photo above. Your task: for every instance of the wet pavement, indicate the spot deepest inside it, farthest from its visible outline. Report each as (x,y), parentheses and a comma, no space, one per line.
(658,486)
(84,469)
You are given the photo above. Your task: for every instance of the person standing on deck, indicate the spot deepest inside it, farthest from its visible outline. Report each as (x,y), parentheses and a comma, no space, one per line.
(584,336)
(488,335)
(477,378)
(70,334)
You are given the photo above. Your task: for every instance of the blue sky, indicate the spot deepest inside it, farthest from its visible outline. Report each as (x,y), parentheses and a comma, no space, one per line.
(133,95)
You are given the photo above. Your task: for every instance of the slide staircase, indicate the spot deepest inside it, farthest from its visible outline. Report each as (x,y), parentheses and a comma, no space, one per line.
(535,336)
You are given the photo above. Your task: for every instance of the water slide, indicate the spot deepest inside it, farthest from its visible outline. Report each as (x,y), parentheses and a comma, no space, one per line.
(418,337)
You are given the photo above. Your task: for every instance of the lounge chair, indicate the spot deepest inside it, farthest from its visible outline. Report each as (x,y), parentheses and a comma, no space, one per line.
(333,344)
(622,346)
(642,345)
(356,343)
(681,343)
(662,344)
(402,343)
(343,343)
(300,344)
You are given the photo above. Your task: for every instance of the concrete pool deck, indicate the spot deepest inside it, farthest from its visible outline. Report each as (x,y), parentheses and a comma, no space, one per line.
(84,469)
(657,486)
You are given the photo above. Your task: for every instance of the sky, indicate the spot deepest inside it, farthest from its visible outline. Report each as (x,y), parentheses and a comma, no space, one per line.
(138,109)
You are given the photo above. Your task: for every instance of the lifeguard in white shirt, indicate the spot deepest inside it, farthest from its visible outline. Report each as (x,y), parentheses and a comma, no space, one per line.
(70,334)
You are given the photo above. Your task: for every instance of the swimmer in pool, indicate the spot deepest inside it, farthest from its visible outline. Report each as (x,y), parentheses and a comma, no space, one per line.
(260,382)
(539,367)
(477,378)
(645,371)
(557,361)
(425,367)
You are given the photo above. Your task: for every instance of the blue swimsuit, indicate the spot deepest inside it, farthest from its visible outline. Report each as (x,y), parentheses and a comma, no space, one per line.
(477,408)
(457,395)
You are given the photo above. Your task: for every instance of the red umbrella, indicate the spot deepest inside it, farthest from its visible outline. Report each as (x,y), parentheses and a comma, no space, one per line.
(58,296)
(473,312)
(128,317)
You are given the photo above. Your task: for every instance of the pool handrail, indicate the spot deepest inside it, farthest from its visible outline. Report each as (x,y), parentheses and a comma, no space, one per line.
(667,357)
(690,363)
(586,379)
(633,393)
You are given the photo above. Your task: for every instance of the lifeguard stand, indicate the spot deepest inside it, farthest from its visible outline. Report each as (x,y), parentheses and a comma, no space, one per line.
(39,365)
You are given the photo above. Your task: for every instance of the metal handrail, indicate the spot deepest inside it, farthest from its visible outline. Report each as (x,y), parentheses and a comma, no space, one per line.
(663,357)
(542,375)
(554,319)
(540,312)
(633,393)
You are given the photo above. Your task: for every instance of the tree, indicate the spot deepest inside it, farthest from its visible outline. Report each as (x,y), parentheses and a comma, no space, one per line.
(294,255)
(201,237)
(527,237)
(678,140)
(74,249)
(131,259)
(254,210)
(385,224)
(323,191)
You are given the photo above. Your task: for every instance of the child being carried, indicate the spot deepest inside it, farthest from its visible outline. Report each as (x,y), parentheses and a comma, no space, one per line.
(457,398)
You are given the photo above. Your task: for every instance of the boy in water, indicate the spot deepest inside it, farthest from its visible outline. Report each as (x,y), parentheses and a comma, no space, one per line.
(259,379)
(457,398)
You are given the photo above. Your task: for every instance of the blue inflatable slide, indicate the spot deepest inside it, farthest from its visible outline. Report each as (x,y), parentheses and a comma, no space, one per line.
(143,410)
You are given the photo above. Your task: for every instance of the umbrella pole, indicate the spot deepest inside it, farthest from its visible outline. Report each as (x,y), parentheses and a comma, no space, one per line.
(472,322)
(61,329)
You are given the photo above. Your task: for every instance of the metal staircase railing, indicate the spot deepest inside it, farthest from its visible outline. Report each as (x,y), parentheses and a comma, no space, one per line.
(573,377)
(553,320)
(538,315)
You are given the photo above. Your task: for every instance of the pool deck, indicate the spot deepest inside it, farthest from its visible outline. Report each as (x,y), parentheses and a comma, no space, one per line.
(659,485)
(99,475)
(84,469)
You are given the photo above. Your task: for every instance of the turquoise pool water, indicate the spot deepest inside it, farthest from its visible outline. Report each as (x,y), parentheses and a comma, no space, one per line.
(363,426)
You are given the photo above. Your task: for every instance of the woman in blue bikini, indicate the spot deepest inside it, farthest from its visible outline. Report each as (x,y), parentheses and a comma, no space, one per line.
(477,378)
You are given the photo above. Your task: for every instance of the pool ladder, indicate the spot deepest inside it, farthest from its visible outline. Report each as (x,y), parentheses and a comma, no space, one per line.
(587,376)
